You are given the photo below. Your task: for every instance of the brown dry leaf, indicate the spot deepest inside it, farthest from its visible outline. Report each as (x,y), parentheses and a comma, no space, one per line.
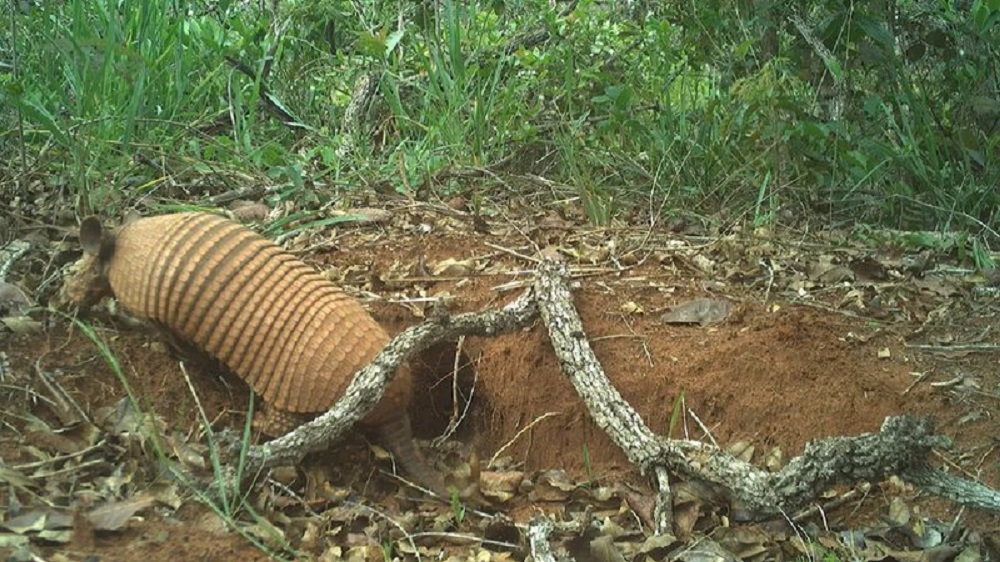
(248,211)
(213,523)
(686,516)
(899,512)
(942,553)
(68,442)
(333,553)
(189,454)
(553,485)
(656,547)
(747,542)
(500,486)
(26,522)
(837,275)
(167,494)
(453,268)
(697,490)
(701,497)
(61,536)
(706,550)
(641,504)
(594,254)
(113,516)
(362,553)
(869,270)
(603,549)
(704,264)
(311,536)
(123,419)
(48,525)
(553,221)
(365,215)
(458,203)
(701,311)
(936,285)
(270,535)
(970,554)
(828,271)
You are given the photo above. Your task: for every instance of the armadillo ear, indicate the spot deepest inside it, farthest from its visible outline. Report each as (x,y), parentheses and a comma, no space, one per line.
(131,216)
(91,235)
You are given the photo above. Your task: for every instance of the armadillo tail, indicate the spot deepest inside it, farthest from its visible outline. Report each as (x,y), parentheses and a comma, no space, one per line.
(397,436)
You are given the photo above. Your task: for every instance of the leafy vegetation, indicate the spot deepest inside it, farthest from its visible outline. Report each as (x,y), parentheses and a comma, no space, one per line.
(886,113)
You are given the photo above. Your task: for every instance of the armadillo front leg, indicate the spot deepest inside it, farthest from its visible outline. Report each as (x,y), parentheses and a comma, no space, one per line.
(397,435)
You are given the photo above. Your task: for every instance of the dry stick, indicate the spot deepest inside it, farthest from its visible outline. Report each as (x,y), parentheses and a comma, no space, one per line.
(456,415)
(510,443)
(607,407)
(368,385)
(901,446)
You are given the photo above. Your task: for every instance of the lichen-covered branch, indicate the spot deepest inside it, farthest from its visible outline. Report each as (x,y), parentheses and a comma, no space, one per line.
(901,447)
(607,407)
(368,384)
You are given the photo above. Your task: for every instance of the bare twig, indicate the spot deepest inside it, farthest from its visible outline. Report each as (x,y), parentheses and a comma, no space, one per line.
(368,385)
(902,446)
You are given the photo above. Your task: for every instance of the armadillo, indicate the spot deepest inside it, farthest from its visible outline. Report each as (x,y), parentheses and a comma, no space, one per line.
(293,336)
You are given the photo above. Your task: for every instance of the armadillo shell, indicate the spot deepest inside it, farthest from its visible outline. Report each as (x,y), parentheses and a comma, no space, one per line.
(293,336)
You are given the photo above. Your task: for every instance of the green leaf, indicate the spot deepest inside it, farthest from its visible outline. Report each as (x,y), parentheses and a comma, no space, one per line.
(876,31)
(834,67)
(35,111)
(394,38)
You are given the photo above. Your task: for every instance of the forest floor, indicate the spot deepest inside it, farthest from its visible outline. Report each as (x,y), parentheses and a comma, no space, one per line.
(824,336)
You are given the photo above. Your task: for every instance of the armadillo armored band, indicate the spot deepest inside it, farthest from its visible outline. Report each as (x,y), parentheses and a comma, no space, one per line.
(296,338)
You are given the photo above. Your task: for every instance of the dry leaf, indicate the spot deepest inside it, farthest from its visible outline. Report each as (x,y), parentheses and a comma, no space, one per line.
(707,551)
(113,516)
(366,215)
(602,549)
(631,307)
(70,442)
(50,525)
(453,268)
(774,460)
(742,450)
(656,547)
(22,324)
(748,542)
(500,486)
(553,485)
(701,311)
(13,540)
(248,211)
(13,301)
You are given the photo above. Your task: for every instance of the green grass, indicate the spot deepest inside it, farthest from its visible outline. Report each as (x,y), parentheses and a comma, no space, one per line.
(685,110)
